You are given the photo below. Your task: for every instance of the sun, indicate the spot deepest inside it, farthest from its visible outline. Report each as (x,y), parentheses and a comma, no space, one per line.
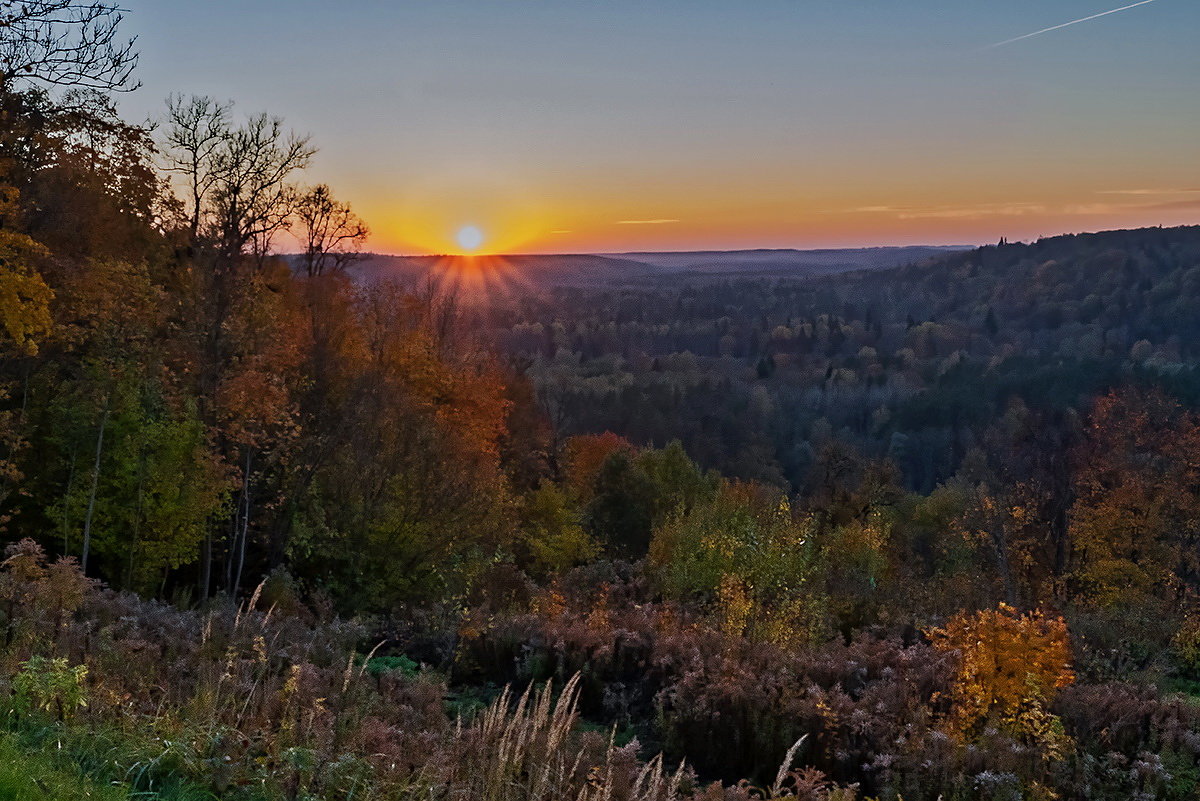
(469,238)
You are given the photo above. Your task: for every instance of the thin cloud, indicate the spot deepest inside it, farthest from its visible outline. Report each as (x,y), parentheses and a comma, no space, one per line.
(645,222)
(1067,24)
(982,210)
(1096,208)
(1175,205)
(974,212)
(1137,201)
(868,210)
(1146,191)
(1126,208)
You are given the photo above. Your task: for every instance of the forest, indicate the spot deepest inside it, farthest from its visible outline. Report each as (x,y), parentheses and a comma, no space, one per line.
(275,531)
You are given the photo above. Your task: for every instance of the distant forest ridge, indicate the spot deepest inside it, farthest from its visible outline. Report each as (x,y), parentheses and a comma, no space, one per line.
(565,270)
(790,260)
(610,268)
(754,373)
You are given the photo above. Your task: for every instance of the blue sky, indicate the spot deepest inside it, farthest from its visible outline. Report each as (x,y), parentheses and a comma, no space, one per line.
(551,125)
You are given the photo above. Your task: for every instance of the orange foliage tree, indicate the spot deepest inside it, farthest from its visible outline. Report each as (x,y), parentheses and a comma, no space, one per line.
(1135,524)
(1011,667)
(396,488)
(585,454)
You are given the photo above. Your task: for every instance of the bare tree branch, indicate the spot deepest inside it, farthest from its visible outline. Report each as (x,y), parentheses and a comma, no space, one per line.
(251,199)
(236,178)
(65,43)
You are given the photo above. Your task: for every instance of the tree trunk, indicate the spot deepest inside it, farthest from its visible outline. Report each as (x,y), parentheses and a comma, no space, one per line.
(206,562)
(245,527)
(137,519)
(91,508)
(1001,545)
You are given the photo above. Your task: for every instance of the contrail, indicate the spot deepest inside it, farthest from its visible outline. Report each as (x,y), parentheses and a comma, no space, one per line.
(1067,24)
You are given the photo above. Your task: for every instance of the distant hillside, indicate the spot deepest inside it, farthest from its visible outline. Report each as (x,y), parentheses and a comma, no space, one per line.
(519,270)
(792,262)
(917,363)
(546,271)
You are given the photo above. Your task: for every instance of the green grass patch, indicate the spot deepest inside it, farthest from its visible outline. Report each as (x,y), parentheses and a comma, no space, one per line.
(50,761)
(27,775)
(389,664)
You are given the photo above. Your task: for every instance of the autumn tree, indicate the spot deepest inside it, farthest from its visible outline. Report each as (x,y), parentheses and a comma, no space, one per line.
(1011,666)
(676,481)
(1135,524)
(399,478)
(584,455)
(527,443)
(552,535)
(621,511)
(1024,499)
(237,309)
(24,296)
(258,408)
(744,554)
(79,214)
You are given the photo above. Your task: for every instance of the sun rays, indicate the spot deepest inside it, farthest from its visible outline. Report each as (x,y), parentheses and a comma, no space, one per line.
(479,277)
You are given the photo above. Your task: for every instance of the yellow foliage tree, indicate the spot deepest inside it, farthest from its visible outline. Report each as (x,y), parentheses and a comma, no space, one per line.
(1011,667)
(551,531)
(746,556)
(24,296)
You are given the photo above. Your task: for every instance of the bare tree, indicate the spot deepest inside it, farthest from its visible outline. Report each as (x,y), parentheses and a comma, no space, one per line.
(251,198)
(236,177)
(65,43)
(196,129)
(330,231)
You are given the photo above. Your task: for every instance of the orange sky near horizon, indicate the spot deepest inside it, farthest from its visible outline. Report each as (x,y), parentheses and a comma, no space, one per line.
(544,226)
(969,181)
(510,232)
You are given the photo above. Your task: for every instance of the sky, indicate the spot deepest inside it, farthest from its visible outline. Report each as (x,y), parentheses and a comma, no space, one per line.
(556,126)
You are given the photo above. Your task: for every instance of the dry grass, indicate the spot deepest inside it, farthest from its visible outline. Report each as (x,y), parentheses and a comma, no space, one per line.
(530,749)
(257,704)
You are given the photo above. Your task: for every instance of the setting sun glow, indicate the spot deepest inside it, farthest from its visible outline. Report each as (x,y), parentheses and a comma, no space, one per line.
(469,238)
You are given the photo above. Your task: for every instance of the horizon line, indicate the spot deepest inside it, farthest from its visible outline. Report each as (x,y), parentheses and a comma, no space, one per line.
(949,245)
(603,253)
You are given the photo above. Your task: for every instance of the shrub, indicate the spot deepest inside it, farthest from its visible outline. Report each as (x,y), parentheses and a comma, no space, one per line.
(745,555)
(50,685)
(1010,668)
(1186,644)
(243,703)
